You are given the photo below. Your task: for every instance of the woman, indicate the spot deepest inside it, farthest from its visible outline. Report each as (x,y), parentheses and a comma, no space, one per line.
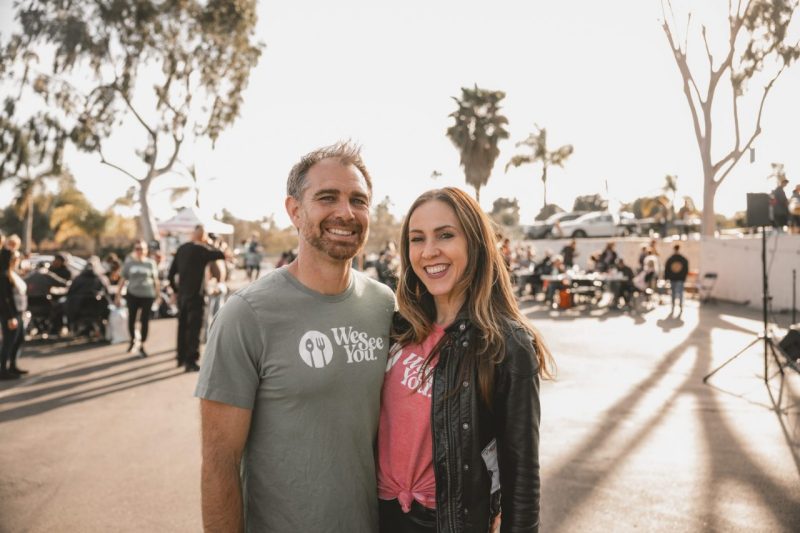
(140,276)
(13,304)
(461,394)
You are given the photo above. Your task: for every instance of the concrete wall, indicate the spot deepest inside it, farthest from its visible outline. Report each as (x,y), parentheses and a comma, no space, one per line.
(736,260)
(738,263)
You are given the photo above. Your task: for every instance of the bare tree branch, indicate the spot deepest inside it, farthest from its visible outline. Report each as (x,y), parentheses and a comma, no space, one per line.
(135,112)
(737,154)
(168,166)
(104,161)
(688,82)
(708,50)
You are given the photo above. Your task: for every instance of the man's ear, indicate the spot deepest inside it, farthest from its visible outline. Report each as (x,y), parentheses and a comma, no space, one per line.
(293,209)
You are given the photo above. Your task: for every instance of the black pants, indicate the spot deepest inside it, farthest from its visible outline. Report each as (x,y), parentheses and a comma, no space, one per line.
(135,304)
(392,519)
(190,320)
(12,341)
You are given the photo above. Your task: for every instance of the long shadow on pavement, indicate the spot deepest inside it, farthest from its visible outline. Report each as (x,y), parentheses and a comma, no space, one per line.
(83,394)
(580,478)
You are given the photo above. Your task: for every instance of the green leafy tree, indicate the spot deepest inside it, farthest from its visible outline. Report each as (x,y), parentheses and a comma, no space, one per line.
(383,226)
(74,217)
(757,43)
(547,211)
(175,69)
(590,202)
(536,143)
(31,143)
(505,211)
(479,127)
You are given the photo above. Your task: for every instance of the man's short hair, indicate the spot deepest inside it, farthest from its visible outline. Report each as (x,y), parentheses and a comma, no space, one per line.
(346,152)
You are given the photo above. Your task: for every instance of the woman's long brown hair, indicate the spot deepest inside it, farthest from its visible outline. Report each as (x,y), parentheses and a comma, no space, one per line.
(489,301)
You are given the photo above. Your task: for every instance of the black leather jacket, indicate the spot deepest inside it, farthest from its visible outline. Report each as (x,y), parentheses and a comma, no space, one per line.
(464,426)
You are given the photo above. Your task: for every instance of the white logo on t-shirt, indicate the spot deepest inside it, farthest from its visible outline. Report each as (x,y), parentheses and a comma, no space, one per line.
(316,349)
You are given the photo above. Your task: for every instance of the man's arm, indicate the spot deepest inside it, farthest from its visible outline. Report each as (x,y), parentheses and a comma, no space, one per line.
(173,271)
(224,434)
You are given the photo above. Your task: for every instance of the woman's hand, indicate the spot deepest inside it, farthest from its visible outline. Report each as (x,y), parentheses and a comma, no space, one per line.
(13,323)
(496,524)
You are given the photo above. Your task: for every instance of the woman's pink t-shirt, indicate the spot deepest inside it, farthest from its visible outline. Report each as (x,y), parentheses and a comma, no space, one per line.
(405,441)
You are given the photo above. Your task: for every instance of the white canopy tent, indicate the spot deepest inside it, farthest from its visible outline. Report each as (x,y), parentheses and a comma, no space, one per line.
(186,220)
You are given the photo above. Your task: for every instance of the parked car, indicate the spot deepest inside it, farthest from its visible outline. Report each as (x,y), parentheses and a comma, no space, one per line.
(542,229)
(599,224)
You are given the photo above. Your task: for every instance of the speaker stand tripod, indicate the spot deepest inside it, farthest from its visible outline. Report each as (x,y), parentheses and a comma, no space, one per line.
(765,336)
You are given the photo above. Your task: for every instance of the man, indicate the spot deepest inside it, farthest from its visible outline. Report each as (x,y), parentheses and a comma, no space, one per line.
(794,209)
(189,265)
(676,270)
(88,298)
(623,288)
(290,385)
(59,267)
(780,206)
(43,307)
(607,259)
(252,258)
(569,252)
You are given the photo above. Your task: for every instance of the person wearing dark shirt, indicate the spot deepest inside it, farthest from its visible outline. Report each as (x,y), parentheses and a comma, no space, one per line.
(780,207)
(623,287)
(675,270)
(88,295)
(43,307)
(189,265)
(59,268)
(607,259)
(568,252)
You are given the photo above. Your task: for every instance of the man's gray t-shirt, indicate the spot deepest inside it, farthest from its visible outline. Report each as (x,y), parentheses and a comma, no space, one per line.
(311,367)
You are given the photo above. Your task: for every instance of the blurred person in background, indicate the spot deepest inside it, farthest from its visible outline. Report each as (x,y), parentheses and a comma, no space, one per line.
(675,271)
(13,303)
(187,277)
(59,267)
(88,296)
(139,277)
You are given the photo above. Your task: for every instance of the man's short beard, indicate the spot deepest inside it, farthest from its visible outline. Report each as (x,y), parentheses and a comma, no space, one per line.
(334,250)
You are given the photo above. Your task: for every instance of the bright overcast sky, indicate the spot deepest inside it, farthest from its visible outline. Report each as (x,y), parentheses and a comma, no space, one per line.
(597,75)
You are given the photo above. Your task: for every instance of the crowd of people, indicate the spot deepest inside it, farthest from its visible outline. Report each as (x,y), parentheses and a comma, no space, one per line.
(785,209)
(50,300)
(549,276)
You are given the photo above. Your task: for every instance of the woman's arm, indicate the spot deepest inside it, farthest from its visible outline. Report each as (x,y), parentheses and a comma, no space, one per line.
(517,411)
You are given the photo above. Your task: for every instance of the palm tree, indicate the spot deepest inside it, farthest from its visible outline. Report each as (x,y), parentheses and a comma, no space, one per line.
(537,142)
(671,187)
(478,129)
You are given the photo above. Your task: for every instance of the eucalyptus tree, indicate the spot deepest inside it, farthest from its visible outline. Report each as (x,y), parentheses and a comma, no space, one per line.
(31,150)
(756,46)
(478,128)
(175,70)
(538,153)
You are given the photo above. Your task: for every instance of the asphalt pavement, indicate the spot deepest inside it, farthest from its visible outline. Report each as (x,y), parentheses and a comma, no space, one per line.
(632,440)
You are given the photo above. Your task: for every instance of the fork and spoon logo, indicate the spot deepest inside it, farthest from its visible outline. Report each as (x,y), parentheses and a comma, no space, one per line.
(316,349)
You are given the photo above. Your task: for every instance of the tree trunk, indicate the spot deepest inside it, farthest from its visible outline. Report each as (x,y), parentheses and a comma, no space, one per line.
(709,225)
(544,185)
(478,193)
(147,224)
(27,237)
